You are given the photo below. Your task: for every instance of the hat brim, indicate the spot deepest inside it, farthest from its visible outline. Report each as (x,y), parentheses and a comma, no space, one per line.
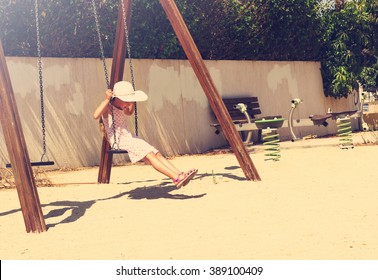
(136,96)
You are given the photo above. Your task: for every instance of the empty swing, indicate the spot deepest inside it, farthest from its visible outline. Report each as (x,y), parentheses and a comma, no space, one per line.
(42,162)
(115,149)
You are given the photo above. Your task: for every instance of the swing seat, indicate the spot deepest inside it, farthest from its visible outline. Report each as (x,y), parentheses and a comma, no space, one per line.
(336,115)
(37,163)
(320,119)
(117,151)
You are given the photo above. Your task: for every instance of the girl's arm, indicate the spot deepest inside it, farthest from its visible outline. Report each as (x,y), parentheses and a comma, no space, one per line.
(102,109)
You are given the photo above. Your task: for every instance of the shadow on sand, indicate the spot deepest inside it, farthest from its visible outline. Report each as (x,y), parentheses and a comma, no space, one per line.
(161,191)
(79,208)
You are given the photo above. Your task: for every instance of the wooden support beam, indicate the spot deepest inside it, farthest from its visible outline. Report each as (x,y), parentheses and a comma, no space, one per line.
(18,154)
(209,88)
(118,63)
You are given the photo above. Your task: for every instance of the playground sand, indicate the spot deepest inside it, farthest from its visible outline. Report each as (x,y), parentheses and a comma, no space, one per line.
(318,203)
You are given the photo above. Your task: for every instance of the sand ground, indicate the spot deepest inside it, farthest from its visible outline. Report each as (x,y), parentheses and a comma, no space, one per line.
(318,202)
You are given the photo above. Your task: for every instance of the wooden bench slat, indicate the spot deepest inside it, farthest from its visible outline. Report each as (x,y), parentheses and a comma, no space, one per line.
(238,118)
(253,107)
(230,106)
(241,99)
(237,114)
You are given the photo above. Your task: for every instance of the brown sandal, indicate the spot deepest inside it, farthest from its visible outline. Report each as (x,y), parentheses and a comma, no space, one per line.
(191,173)
(181,182)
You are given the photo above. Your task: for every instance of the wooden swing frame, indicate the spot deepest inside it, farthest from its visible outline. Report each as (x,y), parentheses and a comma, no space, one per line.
(203,77)
(15,141)
(18,154)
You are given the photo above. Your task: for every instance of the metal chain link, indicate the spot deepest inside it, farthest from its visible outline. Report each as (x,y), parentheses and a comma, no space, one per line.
(94,9)
(115,144)
(128,42)
(100,43)
(130,60)
(40,80)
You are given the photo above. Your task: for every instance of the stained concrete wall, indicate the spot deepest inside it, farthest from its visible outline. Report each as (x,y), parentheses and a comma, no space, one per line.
(177,117)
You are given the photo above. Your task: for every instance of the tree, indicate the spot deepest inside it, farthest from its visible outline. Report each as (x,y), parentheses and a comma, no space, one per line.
(67,27)
(349,52)
(342,34)
(232,29)
(222,29)
(285,30)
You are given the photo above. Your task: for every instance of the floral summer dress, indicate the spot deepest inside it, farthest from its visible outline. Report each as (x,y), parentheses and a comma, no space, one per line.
(136,148)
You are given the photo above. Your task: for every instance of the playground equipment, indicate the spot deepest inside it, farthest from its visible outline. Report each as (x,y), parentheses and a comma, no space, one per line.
(14,138)
(203,76)
(366,112)
(243,112)
(42,162)
(115,147)
(343,122)
(294,104)
(271,140)
(269,130)
(344,131)
(19,157)
(243,109)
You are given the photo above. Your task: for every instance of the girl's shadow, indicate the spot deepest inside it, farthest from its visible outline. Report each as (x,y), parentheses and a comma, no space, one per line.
(79,208)
(156,192)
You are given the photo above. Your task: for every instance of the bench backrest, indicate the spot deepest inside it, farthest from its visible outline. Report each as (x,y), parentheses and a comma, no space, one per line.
(253,107)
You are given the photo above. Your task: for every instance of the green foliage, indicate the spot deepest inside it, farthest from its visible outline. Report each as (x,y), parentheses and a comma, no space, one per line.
(151,35)
(349,54)
(285,30)
(231,29)
(343,38)
(222,29)
(67,27)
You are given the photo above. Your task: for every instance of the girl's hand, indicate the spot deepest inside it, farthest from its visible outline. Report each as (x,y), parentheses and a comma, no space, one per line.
(102,109)
(109,94)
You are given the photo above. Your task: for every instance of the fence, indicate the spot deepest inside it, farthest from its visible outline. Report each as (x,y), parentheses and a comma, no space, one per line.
(176,119)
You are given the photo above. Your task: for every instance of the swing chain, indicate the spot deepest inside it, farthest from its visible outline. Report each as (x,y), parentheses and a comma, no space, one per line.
(106,71)
(100,43)
(114,130)
(40,80)
(128,42)
(130,60)
(97,22)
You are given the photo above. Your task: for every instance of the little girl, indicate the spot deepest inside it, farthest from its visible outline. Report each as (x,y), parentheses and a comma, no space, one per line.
(122,103)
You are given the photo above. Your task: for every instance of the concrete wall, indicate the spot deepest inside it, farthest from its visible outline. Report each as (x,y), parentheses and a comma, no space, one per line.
(177,117)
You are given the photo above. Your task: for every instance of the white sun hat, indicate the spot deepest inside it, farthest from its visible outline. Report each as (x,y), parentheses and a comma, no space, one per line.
(124,90)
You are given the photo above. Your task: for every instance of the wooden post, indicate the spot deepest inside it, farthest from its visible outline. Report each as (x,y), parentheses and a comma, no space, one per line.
(118,63)
(210,90)
(18,154)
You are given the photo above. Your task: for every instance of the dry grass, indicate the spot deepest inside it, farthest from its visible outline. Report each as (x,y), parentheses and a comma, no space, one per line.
(7,178)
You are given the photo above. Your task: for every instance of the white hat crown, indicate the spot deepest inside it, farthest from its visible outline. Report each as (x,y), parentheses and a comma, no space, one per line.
(124,90)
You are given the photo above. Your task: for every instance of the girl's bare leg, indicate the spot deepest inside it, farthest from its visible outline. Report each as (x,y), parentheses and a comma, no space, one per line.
(167,162)
(160,166)
(164,161)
